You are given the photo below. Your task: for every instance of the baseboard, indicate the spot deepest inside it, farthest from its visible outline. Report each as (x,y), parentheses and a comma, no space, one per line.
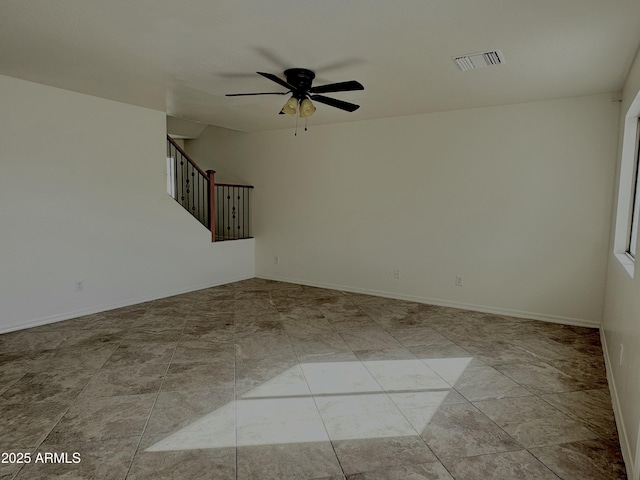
(629,460)
(443,303)
(636,474)
(112,306)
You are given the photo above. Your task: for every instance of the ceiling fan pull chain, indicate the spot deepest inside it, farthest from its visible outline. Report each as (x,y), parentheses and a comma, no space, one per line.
(305,123)
(296,132)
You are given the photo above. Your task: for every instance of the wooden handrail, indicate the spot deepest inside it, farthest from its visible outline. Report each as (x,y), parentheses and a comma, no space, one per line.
(233,185)
(185,155)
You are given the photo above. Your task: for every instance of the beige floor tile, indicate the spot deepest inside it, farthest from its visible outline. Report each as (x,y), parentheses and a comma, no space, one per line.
(263,380)
(25,425)
(175,410)
(287,462)
(364,455)
(198,376)
(58,386)
(425,471)
(590,406)
(107,460)
(481,383)
(534,422)
(191,463)
(131,380)
(540,377)
(461,430)
(594,459)
(103,418)
(520,465)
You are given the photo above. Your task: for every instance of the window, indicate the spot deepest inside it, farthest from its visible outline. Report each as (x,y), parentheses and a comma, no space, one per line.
(628,207)
(635,209)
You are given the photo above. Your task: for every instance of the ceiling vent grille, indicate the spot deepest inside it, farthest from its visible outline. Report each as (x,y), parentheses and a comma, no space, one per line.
(472,61)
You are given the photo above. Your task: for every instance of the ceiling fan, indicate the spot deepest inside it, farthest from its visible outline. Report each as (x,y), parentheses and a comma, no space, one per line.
(298,82)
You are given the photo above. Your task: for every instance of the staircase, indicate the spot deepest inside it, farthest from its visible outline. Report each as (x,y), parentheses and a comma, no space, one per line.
(223,208)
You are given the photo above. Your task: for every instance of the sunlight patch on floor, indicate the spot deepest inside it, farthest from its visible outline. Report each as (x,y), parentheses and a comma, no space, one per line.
(315,402)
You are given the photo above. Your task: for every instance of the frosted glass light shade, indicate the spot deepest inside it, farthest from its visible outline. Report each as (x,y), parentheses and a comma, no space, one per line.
(306,108)
(291,106)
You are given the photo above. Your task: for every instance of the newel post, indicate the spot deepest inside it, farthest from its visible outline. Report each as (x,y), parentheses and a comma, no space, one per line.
(212,204)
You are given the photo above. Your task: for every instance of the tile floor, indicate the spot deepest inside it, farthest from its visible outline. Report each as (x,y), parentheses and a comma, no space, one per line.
(268,380)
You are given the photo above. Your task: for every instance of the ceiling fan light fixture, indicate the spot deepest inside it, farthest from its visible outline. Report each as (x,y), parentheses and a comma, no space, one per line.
(291,107)
(307,108)
(299,83)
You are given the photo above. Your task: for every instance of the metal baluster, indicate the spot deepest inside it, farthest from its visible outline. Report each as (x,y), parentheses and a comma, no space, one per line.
(244,216)
(217,216)
(193,192)
(225,211)
(222,212)
(189,187)
(198,202)
(181,180)
(175,176)
(204,213)
(177,156)
(169,156)
(185,186)
(208,204)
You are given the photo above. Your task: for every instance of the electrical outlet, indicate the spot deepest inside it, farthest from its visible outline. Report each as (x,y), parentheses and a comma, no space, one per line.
(621,353)
(458,280)
(79,286)
(396,273)
(276,260)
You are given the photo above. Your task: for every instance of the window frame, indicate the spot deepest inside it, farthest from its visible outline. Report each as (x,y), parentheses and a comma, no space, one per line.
(634,212)
(628,206)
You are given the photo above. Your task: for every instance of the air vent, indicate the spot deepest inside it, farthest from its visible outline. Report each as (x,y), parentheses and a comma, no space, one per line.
(479,60)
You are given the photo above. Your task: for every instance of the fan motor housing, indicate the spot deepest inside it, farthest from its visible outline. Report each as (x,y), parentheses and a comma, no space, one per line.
(301,78)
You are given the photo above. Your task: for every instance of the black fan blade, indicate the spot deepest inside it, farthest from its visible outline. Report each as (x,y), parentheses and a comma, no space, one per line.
(263,93)
(276,79)
(349,107)
(338,87)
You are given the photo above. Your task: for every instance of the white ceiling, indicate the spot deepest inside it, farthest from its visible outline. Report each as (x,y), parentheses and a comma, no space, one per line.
(182,57)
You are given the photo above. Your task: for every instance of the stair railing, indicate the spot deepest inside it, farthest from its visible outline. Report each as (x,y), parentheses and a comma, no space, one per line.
(233,219)
(224,209)
(187,183)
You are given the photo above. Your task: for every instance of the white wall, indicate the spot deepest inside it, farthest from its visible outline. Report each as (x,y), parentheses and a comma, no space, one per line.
(220,150)
(621,327)
(516,199)
(83,197)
